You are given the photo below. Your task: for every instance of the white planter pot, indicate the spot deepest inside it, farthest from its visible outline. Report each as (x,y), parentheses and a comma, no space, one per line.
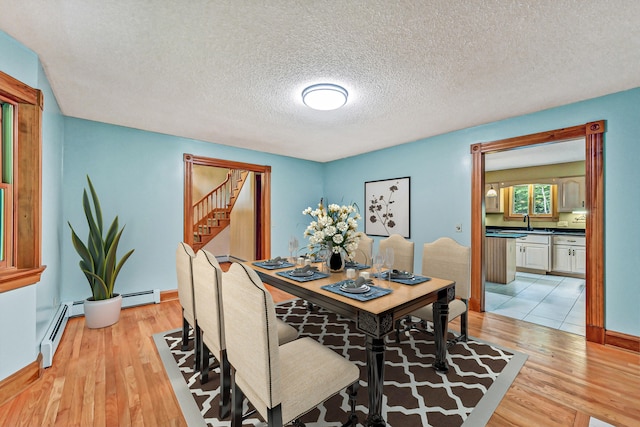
(99,314)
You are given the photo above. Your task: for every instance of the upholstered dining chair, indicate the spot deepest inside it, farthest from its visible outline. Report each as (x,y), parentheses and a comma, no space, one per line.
(184,272)
(208,281)
(402,251)
(283,382)
(446,259)
(364,253)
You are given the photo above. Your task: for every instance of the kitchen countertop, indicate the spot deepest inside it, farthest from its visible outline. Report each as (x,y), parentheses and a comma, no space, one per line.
(505,235)
(501,231)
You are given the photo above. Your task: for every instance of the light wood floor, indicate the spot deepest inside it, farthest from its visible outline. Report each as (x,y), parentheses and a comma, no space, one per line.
(114,377)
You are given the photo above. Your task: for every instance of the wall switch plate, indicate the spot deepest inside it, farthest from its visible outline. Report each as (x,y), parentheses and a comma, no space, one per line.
(458,228)
(563,223)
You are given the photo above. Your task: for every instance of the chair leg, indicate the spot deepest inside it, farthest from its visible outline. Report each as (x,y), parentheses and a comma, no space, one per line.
(196,347)
(237,397)
(274,416)
(185,334)
(353,397)
(225,386)
(204,362)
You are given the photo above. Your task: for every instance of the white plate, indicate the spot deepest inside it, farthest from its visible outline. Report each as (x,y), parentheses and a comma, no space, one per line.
(361,290)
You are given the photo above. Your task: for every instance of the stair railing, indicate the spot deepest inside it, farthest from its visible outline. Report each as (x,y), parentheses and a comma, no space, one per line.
(216,204)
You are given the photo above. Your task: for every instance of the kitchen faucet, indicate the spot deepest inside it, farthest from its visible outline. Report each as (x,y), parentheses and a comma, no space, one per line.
(526,219)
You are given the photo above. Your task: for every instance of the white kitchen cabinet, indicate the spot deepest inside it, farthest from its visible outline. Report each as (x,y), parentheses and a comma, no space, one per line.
(571,194)
(532,252)
(569,255)
(494,204)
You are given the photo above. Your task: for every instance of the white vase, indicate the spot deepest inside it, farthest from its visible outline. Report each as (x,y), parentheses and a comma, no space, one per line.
(102,313)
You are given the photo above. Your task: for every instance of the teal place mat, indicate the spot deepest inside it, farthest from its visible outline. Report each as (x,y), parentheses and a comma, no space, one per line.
(374,292)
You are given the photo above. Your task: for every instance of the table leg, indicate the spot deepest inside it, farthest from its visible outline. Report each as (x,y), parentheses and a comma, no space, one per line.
(440,330)
(375,379)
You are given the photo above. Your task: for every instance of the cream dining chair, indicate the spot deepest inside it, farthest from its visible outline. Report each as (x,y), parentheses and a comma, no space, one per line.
(184,272)
(208,280)
(402,251)
(446,259)
(364,253)
(283,382)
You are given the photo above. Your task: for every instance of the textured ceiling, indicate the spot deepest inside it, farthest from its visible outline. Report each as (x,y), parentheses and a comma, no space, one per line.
(231,72)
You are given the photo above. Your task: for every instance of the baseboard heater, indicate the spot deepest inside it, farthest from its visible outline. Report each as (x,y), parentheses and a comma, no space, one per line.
(128,300)
(53,335)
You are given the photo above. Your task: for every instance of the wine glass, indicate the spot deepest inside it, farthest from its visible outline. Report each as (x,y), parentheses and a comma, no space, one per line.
(388,261)
(293,247)
(378,262)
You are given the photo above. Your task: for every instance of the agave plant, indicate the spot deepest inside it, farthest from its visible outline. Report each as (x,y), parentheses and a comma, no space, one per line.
(98,255)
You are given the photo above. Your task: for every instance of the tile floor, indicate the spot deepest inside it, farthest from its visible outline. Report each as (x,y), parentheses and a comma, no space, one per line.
(554,301)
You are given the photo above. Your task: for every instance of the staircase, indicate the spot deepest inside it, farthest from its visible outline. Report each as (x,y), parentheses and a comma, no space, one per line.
(212,213)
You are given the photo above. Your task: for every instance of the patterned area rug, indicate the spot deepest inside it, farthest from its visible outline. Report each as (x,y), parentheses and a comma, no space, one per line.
(414,393)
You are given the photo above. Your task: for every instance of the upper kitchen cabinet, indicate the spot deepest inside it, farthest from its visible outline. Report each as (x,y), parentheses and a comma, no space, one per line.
(493,203)
(571,194)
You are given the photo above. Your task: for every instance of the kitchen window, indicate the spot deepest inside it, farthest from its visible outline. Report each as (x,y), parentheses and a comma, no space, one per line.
(535,200)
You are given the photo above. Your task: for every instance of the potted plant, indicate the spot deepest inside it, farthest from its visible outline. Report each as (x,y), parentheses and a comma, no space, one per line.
(98,262)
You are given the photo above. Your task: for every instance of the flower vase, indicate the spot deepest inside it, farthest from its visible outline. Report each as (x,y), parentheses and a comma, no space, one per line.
(335,262)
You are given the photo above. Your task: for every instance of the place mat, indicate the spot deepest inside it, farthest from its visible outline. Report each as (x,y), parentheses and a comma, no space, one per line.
(415,280)
(374,292)
(316,275)
(261,264)
(356,266)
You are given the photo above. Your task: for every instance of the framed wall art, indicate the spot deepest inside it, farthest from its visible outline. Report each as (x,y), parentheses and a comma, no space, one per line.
(387,204)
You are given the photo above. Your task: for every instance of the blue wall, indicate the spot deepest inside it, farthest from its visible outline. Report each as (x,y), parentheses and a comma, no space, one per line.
(37,302)
(139,176)
(440,170)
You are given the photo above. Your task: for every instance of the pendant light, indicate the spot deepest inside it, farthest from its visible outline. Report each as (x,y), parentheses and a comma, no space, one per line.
(492,192)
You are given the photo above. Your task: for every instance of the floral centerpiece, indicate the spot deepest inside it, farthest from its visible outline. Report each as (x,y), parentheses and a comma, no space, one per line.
(334,227)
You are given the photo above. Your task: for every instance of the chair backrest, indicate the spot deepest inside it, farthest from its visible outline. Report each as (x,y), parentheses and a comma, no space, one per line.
(251,336)
(207,293)
(184,271)
(402,251)
(447,259)
(364,253)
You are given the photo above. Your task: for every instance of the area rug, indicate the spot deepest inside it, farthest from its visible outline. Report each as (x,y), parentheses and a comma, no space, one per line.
(414,393)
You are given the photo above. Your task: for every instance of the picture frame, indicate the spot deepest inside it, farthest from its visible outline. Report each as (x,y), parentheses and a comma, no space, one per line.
(388,207)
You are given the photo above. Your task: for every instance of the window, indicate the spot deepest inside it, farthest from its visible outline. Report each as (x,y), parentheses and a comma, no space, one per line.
(6,183)
(535,200)
(20,184)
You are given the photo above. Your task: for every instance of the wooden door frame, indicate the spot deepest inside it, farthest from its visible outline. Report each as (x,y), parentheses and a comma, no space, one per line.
(264,200)
(593,133)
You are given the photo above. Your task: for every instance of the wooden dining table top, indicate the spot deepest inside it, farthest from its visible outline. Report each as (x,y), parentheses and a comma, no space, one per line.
(401,295)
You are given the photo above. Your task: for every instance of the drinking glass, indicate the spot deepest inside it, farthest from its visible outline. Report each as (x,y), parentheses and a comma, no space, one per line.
(322,257)
(293,248)
(378,262)
(388,261)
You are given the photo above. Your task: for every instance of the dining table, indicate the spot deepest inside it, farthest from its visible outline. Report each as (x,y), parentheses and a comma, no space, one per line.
(376,317)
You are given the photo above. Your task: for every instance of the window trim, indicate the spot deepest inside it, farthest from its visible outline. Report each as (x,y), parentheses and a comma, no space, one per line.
(27,224)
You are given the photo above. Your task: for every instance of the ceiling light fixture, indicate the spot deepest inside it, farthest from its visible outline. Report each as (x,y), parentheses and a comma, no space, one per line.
(324,96)
(492,192)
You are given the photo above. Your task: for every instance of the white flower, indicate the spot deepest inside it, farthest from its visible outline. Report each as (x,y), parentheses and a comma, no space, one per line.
(335,226)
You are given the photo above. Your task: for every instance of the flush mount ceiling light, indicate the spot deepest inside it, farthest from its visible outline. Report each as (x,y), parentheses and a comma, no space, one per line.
(324,96)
